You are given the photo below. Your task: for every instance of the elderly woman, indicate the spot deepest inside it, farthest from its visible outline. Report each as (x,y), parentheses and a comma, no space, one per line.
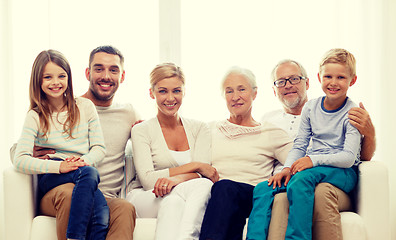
(171,154)
(243,152)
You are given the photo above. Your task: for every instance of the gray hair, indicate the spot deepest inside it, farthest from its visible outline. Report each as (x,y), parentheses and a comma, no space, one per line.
(302,69)
(243,72)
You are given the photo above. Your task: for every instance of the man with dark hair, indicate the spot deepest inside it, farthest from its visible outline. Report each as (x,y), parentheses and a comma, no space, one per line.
(105,73)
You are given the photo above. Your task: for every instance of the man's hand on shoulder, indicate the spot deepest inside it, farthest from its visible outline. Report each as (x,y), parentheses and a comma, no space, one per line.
(137,122)
(360,118)
(41,152)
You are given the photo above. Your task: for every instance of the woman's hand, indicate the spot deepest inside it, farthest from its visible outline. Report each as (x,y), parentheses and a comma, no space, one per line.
(208,171)
(277,179)
(71,164)
(301,164)
(164,186)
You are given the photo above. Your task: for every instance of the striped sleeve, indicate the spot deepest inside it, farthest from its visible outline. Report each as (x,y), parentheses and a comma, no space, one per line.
(24,161)
(97,149)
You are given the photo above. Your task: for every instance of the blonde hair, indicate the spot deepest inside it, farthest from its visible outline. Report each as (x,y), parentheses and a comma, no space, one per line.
(340,56)
(165,70)
(38,99)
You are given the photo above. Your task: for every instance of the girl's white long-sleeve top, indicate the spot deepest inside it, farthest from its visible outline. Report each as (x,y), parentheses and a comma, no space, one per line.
(151,155)
(86,141)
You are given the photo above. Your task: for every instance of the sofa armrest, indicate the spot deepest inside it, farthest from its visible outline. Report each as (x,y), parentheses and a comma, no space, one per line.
(372,202)
(19,204)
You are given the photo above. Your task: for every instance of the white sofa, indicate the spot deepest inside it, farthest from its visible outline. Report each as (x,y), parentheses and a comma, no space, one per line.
(370,222)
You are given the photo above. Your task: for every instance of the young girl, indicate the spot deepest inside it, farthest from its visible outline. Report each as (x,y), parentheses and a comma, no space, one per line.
(70,126)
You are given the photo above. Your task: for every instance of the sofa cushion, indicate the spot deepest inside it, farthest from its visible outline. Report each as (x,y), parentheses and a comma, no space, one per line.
(353,227)
(43,228)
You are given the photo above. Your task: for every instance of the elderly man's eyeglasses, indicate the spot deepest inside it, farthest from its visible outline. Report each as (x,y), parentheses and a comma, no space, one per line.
(293,81)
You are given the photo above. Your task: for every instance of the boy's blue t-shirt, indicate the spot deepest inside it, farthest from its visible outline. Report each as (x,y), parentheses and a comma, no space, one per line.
(335,142)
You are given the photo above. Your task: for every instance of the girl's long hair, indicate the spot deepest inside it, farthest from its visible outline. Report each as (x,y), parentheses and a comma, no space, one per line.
(38,99)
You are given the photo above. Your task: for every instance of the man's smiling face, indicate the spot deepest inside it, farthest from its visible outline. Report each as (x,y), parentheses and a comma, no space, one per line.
(291,96)
(105,74)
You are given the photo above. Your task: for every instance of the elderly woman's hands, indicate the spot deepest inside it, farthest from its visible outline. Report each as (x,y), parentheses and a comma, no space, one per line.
(277,179)
(208,171)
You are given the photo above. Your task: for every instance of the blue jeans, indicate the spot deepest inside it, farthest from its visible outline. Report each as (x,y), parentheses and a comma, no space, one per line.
(89,213)
(300,193)
(229,206)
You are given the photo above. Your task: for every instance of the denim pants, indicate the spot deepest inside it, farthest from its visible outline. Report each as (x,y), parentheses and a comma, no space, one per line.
(89,213)
(300,193)
(229,206)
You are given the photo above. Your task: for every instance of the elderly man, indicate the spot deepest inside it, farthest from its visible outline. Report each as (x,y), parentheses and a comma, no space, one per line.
(290,86)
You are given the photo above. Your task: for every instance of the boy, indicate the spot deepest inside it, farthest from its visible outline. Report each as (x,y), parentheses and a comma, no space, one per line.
(333,158)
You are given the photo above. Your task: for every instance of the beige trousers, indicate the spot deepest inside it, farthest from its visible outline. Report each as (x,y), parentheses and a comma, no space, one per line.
(57,201)
(329,202)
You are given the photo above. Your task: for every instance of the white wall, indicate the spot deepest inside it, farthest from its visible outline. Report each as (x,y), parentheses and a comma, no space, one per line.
(387,133)
(4,96)
(205,37)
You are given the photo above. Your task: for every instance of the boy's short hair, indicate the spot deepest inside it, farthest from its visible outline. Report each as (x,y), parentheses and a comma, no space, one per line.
(341,56)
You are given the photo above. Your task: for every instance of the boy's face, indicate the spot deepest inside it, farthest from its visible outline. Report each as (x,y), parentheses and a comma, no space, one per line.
(335,79)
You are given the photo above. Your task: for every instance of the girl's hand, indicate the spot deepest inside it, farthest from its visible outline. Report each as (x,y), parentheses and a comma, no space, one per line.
(208,171)
(164,186)
(68,166)
(301,164)
(76,159)
(277,179)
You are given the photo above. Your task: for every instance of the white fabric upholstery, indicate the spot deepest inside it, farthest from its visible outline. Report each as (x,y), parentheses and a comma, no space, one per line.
(353,227)
(370,222)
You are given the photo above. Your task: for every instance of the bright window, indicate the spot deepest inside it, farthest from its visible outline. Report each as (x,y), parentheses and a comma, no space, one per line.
(256,34)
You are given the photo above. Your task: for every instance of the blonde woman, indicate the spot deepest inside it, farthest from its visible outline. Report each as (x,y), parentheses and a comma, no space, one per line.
(172,158)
